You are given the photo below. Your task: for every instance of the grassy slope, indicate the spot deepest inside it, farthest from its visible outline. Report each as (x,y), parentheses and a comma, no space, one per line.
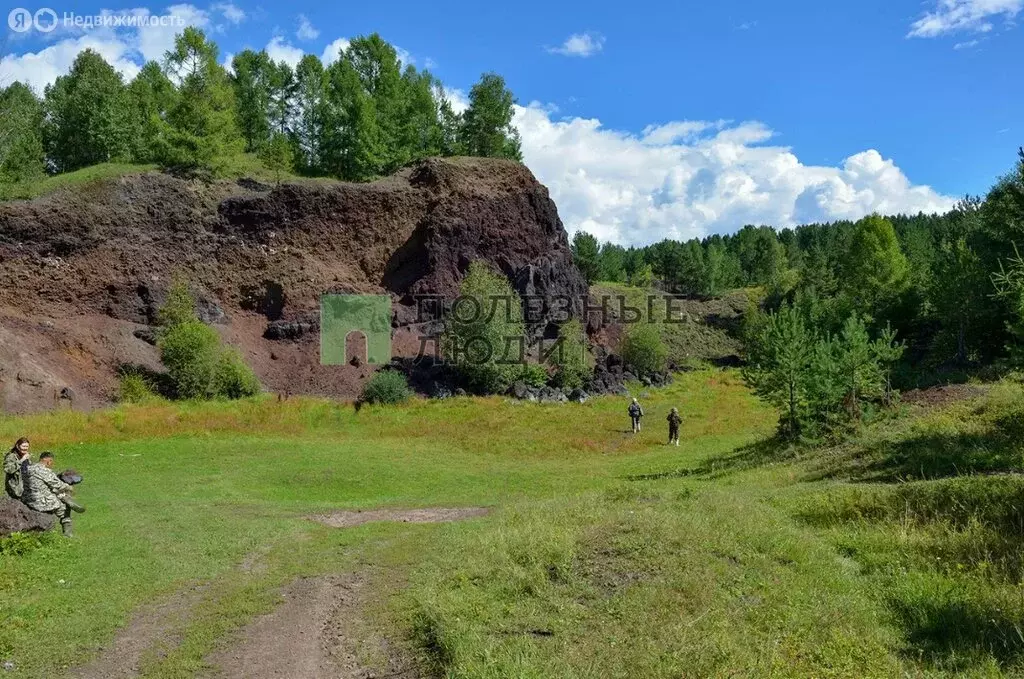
(606,556)
(702,334)
(244,165)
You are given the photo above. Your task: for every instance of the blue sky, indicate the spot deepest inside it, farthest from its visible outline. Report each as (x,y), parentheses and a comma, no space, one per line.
(794,111)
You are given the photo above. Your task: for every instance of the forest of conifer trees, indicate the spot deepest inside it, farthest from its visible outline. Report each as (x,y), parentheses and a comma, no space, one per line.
(361,116)
(951,286)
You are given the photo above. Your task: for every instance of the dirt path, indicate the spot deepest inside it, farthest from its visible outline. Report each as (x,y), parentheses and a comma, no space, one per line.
(316,633)
(348,519)
(154,630)
(320,630)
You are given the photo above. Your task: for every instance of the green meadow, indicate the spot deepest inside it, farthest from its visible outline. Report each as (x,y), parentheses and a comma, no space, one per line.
(604,555)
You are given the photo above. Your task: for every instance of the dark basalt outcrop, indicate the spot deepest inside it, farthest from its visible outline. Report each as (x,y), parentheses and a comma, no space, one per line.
(84,270)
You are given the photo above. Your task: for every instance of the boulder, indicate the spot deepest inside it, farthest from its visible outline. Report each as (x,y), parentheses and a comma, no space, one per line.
(551,395)
(16,517)
(519,390)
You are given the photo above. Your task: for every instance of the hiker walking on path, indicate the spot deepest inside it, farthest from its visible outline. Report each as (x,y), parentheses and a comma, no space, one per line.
(14,482)
(635,413)
(673,426)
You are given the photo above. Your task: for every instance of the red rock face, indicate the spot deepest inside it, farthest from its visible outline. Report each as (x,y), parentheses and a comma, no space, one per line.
(83,271)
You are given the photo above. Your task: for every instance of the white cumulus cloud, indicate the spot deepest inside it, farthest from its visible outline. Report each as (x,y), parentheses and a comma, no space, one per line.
(688,179)
(580,45)
(231,12)
(279,50)
(306,30)
(39,69)
(974,16)
(333,50)
(675,179)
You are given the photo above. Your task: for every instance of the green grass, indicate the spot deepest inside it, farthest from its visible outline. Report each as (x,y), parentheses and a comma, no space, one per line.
(87,175)
(701,332)
(235,167)
(606,555)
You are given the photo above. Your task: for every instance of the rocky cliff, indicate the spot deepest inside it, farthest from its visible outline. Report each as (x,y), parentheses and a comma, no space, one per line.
(83,271)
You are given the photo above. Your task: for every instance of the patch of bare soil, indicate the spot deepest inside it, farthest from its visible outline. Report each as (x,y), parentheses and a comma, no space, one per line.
(153,631)
(318,632)
(941,395)
(348,519)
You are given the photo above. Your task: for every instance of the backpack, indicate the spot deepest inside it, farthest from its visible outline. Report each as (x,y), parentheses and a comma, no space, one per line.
(635,410)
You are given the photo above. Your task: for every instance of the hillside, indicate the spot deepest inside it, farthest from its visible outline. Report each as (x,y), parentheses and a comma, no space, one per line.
(85,268)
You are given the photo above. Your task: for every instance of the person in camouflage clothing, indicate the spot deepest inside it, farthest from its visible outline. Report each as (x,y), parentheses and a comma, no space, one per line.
(673,426)
(45,492)
(13,482)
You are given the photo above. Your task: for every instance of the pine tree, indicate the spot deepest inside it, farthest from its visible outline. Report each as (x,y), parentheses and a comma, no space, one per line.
(352,149)
(586,255)
(957,287)
(875,270)
(281,104)
(202,131)
(382,98)
(451,124)
(781,352)
(276,154)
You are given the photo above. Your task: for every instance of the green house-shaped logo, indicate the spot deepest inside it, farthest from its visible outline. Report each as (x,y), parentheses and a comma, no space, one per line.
(344,317)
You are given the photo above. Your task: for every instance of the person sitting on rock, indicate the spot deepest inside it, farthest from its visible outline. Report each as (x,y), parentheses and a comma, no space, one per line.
(673,426)
(635,413)
(14,483)
(46,492)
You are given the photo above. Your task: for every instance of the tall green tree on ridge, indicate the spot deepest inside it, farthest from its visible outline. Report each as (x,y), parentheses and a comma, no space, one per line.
(150,96)
(22,157)
(487,128)
(378,71)
(252,83)
(202,130)
(353,147)
(311,115)
(86,115)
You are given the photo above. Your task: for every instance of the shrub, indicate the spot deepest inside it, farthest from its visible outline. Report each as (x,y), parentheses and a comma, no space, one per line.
(570,360)
(20,544)
(387,386)
(234,379)
(644,350)
(478,341)
(198,365)
(534,375)
(136,388)
(191,352)
(179,307)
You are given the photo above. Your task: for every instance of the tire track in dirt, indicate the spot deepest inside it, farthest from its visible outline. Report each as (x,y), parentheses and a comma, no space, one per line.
(316,633)
(154,630)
